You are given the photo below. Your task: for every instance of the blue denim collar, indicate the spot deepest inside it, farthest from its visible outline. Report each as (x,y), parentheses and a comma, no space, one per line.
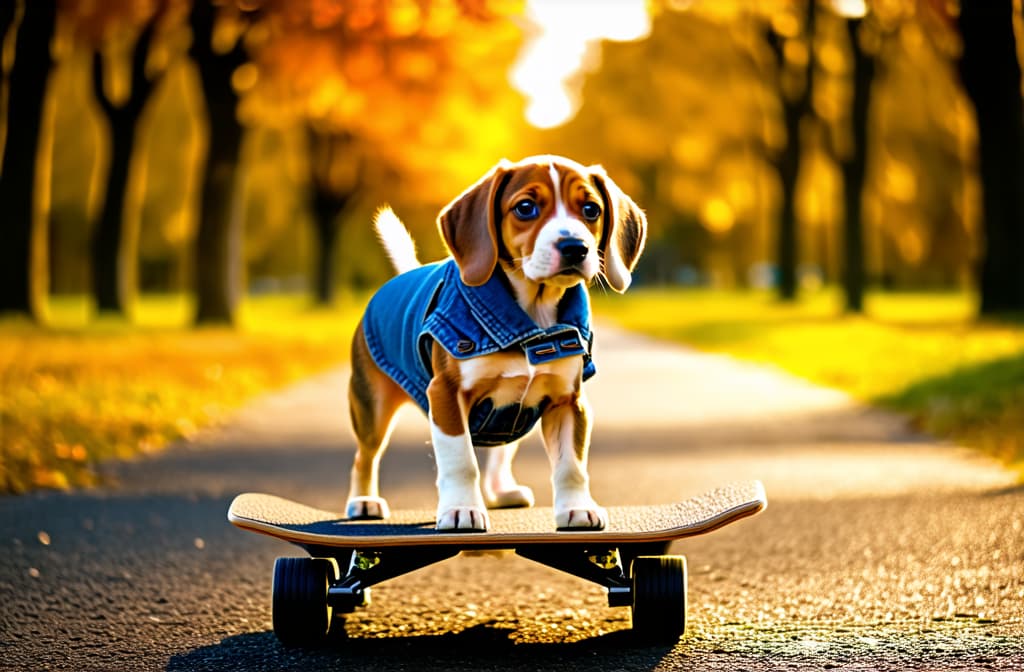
(493,304)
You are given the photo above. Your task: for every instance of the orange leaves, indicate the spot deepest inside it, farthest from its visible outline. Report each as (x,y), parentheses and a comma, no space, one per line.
(351,64)
(75,453)
(383,19)
(325,13)
(420,86)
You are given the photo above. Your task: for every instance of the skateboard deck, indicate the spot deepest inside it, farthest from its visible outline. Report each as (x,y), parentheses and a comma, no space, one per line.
(305,525)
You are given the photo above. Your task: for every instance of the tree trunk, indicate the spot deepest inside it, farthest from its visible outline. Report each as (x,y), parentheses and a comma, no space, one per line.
(991,76)
(788,165)
(854,168)
(328,225)
(112,286)
(23,272)
(114,242)
(218,251)
(335,175)
(795,107)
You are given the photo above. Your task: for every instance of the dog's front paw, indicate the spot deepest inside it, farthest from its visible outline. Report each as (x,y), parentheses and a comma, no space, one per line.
(591,517)
(367,508)
(463,518)
(514,498)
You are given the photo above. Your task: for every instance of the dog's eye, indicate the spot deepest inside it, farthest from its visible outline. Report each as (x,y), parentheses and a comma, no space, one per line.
(526,209)
(591,211)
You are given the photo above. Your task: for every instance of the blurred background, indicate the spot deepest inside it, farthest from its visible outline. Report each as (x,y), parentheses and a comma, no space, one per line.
(811,169)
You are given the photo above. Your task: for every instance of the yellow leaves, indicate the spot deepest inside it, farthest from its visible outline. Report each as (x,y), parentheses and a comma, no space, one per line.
(50,479)
(333,101)
(404,18)
(832,58)
(186,428)
(795,53)
(44,384)
(227,30)
(694,151)
(72,398)
(819,190)
(717,216)
(785,24)
(741,193)
(75,453)
(440,19)
(632,137)
(899,181)
(911,245)
(213,372)
(245,77)
(685,191)
(177,227)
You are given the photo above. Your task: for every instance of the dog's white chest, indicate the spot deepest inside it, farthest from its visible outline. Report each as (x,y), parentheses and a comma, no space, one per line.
(508,378)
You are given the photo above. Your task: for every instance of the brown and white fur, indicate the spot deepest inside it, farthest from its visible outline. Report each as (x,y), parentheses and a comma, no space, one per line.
(563,245)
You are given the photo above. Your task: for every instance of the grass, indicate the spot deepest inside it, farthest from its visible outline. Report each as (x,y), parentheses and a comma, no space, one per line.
(921,354)
(79,391)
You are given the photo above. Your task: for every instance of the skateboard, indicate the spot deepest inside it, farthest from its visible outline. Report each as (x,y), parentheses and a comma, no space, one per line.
(629,557)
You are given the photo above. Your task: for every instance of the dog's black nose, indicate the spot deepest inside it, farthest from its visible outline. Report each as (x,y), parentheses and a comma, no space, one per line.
(573,250)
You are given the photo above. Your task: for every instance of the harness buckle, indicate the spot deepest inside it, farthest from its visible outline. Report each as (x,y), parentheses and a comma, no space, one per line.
(557,344)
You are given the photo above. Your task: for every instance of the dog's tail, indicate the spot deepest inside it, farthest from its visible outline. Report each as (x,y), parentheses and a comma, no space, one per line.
(398,243)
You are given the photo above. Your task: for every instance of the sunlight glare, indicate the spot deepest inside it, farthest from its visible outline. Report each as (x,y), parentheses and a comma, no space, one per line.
(850,9)
(568,41)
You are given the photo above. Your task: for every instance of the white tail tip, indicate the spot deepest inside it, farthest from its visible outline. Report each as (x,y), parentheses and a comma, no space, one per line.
(399,245)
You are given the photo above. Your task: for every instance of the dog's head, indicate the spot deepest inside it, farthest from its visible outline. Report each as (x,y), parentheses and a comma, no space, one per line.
(551,219)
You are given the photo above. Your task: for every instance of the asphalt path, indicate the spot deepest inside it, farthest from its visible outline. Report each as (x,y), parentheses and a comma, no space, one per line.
(880,548)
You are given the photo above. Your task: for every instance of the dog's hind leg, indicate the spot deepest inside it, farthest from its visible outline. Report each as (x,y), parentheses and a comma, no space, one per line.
(373,401)
(501,490)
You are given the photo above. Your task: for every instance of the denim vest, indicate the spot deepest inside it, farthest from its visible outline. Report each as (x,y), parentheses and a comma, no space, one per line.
(431,303)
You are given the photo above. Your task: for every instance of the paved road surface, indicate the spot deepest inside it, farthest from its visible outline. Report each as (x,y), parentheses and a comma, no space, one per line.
(880,549)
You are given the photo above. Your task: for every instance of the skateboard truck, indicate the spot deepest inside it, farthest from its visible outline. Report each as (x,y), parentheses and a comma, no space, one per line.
(366,568)
(603,566)
(370,567)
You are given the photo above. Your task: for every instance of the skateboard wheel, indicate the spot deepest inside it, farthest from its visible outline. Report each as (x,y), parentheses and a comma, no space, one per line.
(301,613)
(659,597)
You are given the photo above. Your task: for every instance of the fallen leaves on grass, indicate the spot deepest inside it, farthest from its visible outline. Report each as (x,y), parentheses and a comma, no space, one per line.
(72,398)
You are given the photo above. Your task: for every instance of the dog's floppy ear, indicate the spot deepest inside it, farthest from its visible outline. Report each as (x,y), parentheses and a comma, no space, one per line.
(625,231)
(469,226)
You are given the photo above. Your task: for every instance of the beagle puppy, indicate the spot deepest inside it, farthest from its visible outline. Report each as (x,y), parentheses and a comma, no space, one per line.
(494,338)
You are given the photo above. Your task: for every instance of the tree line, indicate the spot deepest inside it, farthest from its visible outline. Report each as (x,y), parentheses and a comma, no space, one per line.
(231,45)
(390,90)
(756,116)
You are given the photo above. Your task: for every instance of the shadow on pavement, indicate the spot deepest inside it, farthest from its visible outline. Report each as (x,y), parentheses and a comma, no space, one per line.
(480,648)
